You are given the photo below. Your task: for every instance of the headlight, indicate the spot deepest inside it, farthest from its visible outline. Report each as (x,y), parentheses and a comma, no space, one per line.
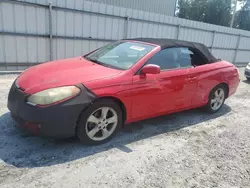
(53,95)
(248,65)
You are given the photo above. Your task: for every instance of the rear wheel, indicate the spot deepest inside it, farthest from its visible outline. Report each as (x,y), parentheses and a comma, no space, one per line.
(216,99)
(99,123)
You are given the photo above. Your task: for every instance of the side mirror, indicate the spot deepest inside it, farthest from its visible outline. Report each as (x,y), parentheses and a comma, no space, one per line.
(150,69)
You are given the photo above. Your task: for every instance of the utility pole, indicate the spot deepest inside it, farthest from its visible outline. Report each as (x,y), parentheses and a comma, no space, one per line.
(175,8)
(234,11)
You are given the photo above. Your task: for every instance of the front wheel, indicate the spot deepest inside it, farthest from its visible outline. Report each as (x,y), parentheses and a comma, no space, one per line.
(216,99)
(99,123)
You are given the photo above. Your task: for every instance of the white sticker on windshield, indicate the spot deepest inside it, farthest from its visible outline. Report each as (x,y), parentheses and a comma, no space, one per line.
(138,48)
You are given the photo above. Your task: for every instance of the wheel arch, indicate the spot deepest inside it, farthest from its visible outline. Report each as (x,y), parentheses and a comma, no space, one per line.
(119,102)
(225,85)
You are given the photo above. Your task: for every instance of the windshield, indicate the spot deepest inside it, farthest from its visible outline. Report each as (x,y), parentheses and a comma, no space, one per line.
(120,55)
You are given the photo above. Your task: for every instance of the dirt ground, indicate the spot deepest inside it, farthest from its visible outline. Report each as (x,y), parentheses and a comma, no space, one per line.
(187,149)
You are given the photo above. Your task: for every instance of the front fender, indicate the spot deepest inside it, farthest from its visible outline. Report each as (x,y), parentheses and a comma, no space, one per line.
(118,93)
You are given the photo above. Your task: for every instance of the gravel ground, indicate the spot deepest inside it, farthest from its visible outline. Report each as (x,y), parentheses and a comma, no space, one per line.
(187,149)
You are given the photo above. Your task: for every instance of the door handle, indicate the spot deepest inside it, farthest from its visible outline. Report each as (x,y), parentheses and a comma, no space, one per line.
(192,79)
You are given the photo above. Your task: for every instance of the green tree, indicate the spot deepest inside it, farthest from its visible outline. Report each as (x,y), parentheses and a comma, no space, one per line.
(242,17)
(210,11)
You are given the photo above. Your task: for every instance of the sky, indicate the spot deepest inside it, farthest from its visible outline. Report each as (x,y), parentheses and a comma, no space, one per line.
(238,5)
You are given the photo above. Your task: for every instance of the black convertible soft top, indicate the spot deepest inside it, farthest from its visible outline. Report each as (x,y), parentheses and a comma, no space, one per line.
(168,43)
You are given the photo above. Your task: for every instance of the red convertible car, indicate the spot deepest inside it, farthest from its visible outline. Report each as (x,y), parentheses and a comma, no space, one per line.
(126,81)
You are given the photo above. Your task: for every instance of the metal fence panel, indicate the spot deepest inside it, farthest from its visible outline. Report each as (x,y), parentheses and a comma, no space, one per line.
(19,51)
(32,33)
(244,43)
(11,55)
(67,48)
(23,18)
(8,17)
(193,35)
(225,41)
(76,24)
(3,48)
(224,54)
(166,7)
(243,57)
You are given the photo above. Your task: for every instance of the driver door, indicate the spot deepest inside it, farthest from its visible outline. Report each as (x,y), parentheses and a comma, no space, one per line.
(169,91)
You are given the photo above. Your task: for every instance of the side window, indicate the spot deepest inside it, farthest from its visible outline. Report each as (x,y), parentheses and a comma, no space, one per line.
(172,58)
(166,59)
(197,59)
(185,57)
(189,57)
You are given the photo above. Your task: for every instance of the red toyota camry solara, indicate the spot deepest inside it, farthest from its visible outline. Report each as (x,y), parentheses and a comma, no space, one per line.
(126,81)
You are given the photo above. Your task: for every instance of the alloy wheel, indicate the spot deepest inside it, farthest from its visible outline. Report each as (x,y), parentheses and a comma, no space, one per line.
(217,99)
(101,123)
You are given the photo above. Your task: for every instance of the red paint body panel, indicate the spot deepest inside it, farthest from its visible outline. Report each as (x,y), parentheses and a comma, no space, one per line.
(208,76)
(143,96)
(164,92)
(63,73)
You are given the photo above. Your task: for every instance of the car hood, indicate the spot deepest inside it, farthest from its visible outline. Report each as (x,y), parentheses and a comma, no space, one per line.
(62,73)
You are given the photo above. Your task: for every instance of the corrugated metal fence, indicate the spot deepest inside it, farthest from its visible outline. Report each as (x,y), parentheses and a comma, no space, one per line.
(165,7)
(32,33)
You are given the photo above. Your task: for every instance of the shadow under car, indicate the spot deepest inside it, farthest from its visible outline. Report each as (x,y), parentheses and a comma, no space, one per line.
(24,150)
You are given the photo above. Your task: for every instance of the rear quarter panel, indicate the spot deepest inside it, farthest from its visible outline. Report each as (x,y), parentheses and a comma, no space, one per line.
(232,78)
(211,75)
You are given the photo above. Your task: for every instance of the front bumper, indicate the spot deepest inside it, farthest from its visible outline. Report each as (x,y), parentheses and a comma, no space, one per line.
(54,121)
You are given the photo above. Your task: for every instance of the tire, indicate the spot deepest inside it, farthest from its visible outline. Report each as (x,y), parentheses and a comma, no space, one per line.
(212,106)
(248,78)
(92,119)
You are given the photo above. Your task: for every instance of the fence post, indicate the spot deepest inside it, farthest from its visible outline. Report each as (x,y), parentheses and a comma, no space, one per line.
(178,31)
(126,27)
(212,46)
(237,48)
(50,33)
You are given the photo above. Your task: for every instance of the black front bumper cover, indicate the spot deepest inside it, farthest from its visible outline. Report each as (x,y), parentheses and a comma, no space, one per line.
(58,120)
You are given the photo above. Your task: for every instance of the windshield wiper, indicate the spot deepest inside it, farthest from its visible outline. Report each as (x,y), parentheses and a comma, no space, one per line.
(96,61)
(101,63)
(93,60)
